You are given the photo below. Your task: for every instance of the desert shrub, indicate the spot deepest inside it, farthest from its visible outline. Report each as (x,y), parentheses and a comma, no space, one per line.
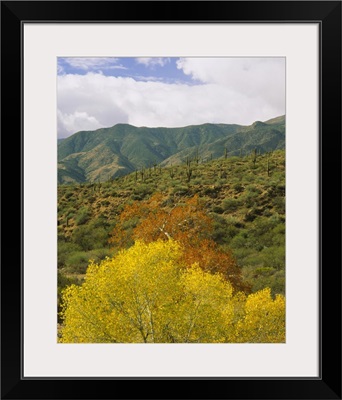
(231,220)
(100,222)
(99,254)
(69,210)
(253,213)
(141,191)
(263,226)
(68,194)
(64,250)
(238,188)
(63,280)
(223,231)
(274,257)
(87,237)
(180,190)
(241,240)
(266,277)
(218,209)
(250,199)
(276,188)
(60,234)
(267,212)
(279,204)
(77,262)
(212,191)
(83,216)
(70,215)
(230,205)
(249,177)
(253,189)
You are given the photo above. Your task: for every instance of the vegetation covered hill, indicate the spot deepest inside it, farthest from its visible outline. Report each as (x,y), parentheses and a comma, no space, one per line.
(243,196)
(97,156)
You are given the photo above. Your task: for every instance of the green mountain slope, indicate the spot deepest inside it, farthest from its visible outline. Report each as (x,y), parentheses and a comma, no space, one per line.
(245,199)
(89,156)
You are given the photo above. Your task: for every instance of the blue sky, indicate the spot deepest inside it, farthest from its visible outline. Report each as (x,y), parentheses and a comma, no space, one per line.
(158,69)
(166,91)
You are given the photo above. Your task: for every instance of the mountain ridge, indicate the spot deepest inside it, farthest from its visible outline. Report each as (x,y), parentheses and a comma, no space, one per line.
(108,153)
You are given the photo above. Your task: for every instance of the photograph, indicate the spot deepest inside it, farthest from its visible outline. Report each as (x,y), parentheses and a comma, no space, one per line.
(174,175)
(171,199)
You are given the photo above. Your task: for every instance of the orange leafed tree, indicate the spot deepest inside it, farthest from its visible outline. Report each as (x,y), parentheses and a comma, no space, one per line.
(188,224)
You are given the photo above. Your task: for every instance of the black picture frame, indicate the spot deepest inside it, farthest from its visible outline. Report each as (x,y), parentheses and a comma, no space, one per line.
(328,15)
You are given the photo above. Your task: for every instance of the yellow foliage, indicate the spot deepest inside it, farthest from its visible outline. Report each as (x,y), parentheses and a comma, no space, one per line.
(264,319)
(145,294)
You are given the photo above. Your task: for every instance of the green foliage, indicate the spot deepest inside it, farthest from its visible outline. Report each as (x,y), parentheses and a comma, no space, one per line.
(77,262)
(83,216)
(223,230)
(180,190)
(231,204)
(141,191)
(248,208)
(218,210)
(279,204)
(64,250)
(261,249)
(238,188)
(88,237)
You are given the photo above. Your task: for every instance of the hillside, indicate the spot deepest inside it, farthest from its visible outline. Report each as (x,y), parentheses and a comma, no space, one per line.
(244,196)
(96,156)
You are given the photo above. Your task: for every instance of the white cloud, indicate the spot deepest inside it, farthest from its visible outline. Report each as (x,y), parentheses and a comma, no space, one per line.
(228,93)
(260,78)
(153,61)
(116,67)
(147,78)
(76,121)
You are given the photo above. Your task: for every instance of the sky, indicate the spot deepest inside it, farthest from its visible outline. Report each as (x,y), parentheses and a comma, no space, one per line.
(101,92)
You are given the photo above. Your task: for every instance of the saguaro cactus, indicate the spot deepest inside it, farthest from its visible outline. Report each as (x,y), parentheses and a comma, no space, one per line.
(254,156)
(188,173)
(196,156)
(188,169)
(142,174)
(172,174)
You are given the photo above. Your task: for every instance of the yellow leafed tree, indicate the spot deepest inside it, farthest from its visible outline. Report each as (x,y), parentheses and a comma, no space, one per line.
(264,319)
(146,295)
